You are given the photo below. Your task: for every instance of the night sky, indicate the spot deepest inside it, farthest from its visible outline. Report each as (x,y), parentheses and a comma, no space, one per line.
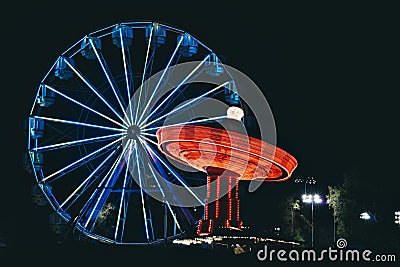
(326,72)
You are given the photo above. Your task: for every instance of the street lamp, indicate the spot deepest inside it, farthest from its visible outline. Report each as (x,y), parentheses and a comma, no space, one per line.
(312,199)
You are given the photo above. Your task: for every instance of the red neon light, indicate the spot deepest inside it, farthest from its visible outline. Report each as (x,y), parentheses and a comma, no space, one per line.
(229,199)
(218,196)
(210,226)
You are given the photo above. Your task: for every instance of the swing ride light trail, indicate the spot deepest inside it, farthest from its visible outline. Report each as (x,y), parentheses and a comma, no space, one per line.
(80,124)
(173,92)
(184,123)
(184,105)
(84,106)
(151,150)
(144,74)
(159,81)
(108,78)
(77,142)
(81,159)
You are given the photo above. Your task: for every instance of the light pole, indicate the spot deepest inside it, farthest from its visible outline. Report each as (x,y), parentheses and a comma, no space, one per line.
(312,199)
(334,229)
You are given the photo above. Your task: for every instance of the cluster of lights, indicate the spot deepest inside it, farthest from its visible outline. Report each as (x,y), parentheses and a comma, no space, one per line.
(311,198)
(365,216)
(397,217)
(220,239)
(308,180)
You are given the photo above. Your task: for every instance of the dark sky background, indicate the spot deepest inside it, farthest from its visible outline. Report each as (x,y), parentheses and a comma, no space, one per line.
(326,72)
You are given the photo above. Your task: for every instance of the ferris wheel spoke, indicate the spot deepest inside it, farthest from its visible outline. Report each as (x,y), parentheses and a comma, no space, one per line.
(153,152)
(149,140)
(86,107)
(104,192)
(141,194)
(94,90)
(181,123)
(186,104)
(144,74)
(146,184)
(106,70)
(173,91)
(123,204)
(188,108)
(128,89)
(82,160)
(81,124)
(76,142)
(159,81)
(164,196)
(85,183)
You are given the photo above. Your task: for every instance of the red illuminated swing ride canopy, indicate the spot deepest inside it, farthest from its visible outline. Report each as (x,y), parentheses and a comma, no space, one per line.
(202,147)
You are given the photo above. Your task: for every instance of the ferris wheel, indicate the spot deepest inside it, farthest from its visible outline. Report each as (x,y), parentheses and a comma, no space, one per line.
(92,140)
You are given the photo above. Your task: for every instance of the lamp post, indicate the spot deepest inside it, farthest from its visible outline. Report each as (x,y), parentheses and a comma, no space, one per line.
(312,199)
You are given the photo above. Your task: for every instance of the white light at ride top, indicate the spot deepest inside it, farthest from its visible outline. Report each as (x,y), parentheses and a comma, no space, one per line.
(235,113)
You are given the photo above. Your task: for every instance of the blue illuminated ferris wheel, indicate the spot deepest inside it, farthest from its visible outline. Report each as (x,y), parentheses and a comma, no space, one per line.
(91,131)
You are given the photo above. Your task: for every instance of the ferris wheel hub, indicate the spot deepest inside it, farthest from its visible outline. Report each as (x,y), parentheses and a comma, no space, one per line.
(133,132)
